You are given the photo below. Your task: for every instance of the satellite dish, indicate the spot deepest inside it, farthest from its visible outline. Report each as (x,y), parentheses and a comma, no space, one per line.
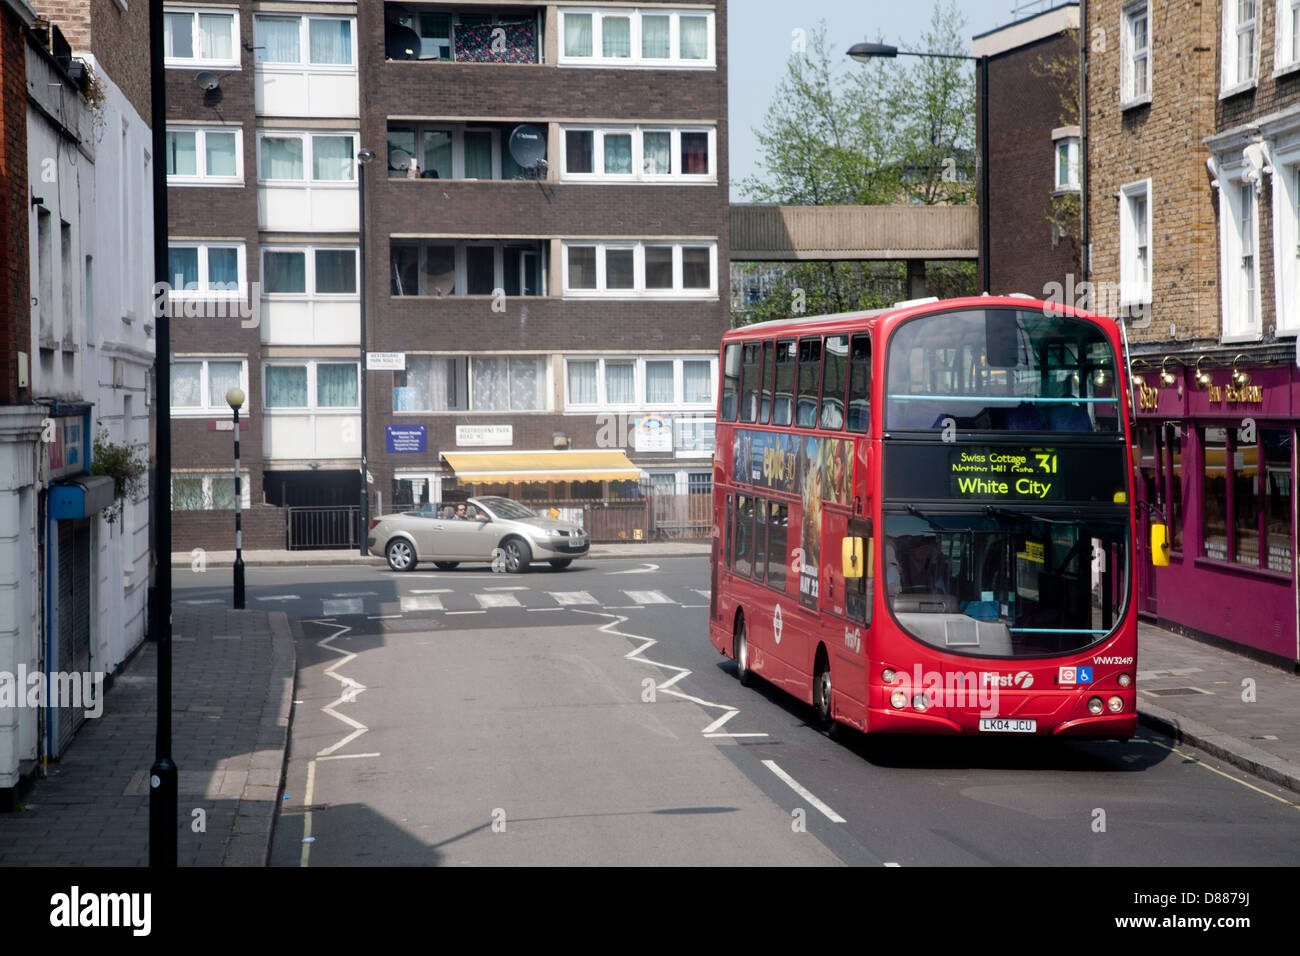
(399,159)
(527,146)
(401,42)
(207,81)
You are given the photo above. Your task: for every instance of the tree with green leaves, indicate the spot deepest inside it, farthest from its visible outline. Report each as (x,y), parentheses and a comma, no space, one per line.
(842,133)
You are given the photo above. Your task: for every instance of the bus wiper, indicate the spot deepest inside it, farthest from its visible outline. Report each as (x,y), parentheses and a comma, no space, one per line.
(913,510)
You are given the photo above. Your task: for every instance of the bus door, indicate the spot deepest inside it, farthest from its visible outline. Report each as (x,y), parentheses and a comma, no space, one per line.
(1148,493)
(845,602)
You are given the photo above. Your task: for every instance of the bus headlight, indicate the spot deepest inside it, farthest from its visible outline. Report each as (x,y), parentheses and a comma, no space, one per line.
(919,702)
(898,700)
(1094,705)
(888,675)
(1125,680)
(1115,704)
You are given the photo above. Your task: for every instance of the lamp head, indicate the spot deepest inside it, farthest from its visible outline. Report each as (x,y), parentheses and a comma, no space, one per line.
(235,397)
(365,155)
(864,52)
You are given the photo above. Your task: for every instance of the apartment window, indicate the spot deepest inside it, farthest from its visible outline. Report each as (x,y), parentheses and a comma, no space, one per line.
(650,268)
(639,154)
(311,385)
(315,271)
(488,383)
(304,157)
(208,491)
(1239,242)
(452,151)
(205,268)
(206,37)
(1066,166)
(457,267)
(471,38)
(640,382)
(594,37)
(199,386)
(1286,238)
(1135,243)
(1135,55)
(204,156)
(298,41)
(1239,47)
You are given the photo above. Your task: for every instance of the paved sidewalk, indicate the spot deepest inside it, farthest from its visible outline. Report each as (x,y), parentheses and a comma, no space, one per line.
(646,550)
(232,682)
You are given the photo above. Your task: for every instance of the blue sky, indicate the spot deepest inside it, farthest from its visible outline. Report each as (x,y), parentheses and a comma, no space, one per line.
(759,40)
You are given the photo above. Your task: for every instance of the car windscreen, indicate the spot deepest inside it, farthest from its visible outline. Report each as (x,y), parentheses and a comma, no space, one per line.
(505,508)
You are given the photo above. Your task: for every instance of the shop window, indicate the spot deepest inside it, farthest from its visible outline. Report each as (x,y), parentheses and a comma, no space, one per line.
(1214,494)
(1247,488)
(1277,499)
(1173,469)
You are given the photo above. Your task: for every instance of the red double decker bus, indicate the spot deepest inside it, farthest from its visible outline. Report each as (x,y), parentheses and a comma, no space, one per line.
(922,518)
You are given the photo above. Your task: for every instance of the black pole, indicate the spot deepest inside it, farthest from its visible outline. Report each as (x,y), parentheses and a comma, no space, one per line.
(985,266)
(363,525)
(239,535)
(163,774)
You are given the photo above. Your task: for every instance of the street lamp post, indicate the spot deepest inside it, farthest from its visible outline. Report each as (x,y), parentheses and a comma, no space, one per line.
(235,398)
(364,158)
(865,52)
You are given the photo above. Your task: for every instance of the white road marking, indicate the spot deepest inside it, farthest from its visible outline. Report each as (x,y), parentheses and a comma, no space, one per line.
(345,594)
(347,756)
(381,617)
(702,592)
(798,788)
(510,587)
(570,598)
(735,735)
(421,602)
(344,606)
(641,570)
(497,600)
(720,721)
(893,864)
(546,609)
(1228,775)
(215,601)
(431,590)
(649,597)
(279,597)
(467,612)
(307,838)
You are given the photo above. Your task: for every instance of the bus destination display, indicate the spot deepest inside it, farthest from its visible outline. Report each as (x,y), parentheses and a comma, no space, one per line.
(1007,473)
(928,471)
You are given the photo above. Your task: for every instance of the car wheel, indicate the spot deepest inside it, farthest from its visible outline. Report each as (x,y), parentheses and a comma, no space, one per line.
(401,555)
(517,554)
(560,563)
(822,700)
(446,565)
(740,649)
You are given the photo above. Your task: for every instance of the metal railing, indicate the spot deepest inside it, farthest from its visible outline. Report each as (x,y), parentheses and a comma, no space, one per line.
(322,527)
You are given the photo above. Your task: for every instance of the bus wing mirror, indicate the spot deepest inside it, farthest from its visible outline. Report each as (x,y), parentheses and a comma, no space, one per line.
(1160,546)
(855,559)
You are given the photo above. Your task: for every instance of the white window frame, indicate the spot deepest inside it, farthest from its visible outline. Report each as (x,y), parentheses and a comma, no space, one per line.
(461,283)
(229,63)
(547,386)
(640,400)
(304,44)
(638,174)
(308,163)
(1134,85)
(1135,289)
(205,410)
(1286,37)
(1240,300)
(245,491)
(310,272)
(1286,228)
(1229,82)
(636,60)
(312,406)
(201,157)
(639,289)
(1067,138)
(203,291)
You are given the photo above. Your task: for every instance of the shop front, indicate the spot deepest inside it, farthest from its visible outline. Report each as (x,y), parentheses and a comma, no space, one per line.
(1215,460)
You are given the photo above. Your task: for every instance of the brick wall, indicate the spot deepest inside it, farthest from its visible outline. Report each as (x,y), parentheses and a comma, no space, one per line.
(15,300)
(262,525)
(1161,140)
(118,38)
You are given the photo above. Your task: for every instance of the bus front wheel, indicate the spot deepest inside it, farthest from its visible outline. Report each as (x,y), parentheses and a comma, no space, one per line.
(740,649)
(826,723)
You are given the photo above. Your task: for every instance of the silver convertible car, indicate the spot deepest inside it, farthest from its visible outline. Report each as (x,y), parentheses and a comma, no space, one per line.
(489,529)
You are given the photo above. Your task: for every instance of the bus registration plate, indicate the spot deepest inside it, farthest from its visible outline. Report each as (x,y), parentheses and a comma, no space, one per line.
(1008,725)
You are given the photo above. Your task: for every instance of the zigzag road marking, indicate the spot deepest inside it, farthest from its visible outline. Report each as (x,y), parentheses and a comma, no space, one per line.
(667,686)
(351,688)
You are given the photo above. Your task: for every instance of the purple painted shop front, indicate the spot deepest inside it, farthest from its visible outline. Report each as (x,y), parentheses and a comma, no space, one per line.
(1226,491)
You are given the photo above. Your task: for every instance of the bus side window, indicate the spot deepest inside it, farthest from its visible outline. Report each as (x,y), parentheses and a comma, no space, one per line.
(726,531)
(777,541)
(730,383)
(744,535)
(783,401)
(749,382)
(760,539)
(810,364)
(765,379)
(834,371)
(860,383)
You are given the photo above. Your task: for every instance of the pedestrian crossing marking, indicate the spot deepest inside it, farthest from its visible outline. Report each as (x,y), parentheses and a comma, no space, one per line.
(497,600)
(343,606)
(569,598)
(421,602)
(649,597)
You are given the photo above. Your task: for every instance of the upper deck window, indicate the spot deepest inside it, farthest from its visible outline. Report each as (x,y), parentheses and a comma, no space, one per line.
(1001,369)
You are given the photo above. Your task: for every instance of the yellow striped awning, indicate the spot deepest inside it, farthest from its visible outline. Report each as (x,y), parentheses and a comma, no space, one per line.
(492,467)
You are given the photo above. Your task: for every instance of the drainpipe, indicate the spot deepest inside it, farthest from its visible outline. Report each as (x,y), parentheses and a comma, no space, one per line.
(1085,256)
